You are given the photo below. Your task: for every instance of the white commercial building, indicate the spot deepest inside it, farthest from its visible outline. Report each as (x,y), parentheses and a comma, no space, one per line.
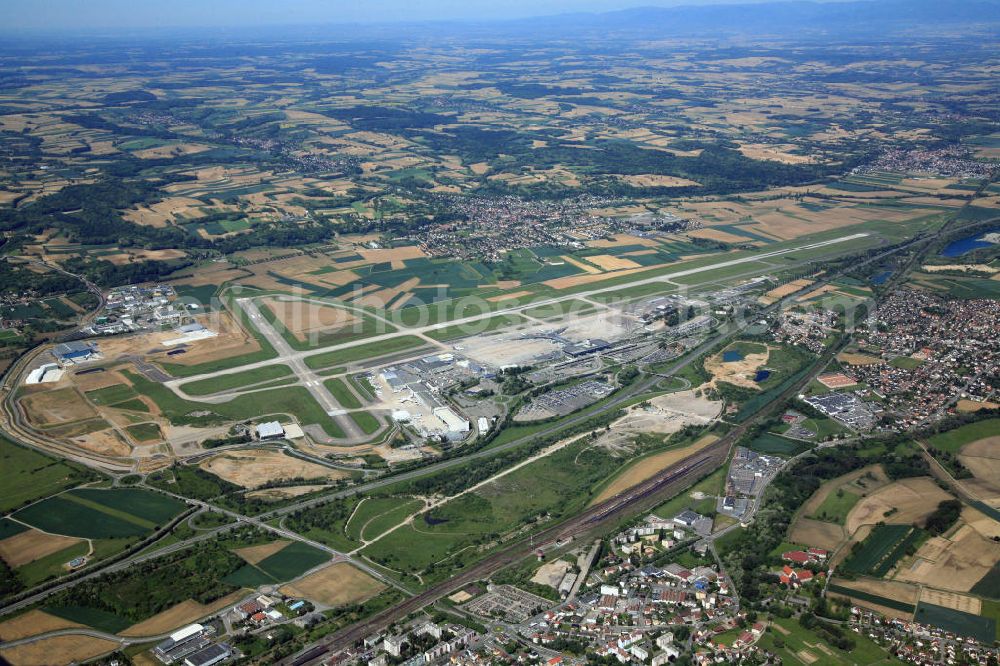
(452,421)
(270,430)
(484,425)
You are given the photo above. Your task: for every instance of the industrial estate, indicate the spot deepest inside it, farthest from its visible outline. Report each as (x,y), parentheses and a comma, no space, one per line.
(507,347)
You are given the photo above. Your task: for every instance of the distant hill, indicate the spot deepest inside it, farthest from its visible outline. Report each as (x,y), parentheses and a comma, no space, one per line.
(777,18)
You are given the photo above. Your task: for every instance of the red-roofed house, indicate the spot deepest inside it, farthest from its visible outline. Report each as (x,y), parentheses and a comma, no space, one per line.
(818,553)
(797,556)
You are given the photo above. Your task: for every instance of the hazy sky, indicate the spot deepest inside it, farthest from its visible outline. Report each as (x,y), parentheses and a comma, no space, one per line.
(88,14)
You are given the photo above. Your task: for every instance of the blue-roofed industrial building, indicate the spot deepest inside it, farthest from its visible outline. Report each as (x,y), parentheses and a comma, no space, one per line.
(74,352)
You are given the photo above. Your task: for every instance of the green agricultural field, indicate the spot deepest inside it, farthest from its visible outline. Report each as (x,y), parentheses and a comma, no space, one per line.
(9,528)
(101,514)
(365,351)
(236,380)
(991,609)
(342,394)
(989,585)
(292,400)
(983,629)
(145,432)
(881,549)
(292,561)
(155,507)
(54,565)
(953,440)
(28,475)
(836,506)
(91,617)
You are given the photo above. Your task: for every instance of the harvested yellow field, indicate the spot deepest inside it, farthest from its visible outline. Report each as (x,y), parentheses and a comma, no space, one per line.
(391,254)
(718,235)
(906,501)
(650,467)
(966,406)
(32,623)
(32,545)
(255,554)
(981,523)
(982,458)
(859,359)
(58,650)
(304,317)
(888,589)
(577,280)
(165,212)
(586,267)
(954,564)
(144,255)
(174,150)
(507,297)
(180,615)
(382,297)
(254,468)
(612,263)
(784,290)
(653,180)
(773,153)
(962,602)
(817,533)
(336,585)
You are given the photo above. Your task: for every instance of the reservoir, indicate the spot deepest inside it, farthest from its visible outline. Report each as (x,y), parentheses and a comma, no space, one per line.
(968,244)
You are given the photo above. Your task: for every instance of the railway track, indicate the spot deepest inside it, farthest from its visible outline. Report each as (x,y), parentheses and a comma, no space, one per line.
(644,496)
